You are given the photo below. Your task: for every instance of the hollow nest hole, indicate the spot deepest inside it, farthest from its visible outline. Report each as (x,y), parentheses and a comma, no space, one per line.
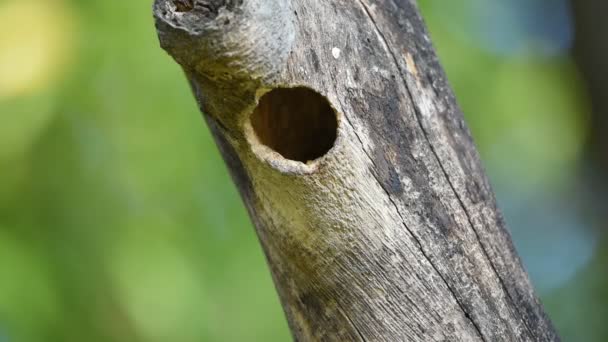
(208,8)
(298,123)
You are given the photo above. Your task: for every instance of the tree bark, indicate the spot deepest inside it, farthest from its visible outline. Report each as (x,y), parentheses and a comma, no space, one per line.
(357,169)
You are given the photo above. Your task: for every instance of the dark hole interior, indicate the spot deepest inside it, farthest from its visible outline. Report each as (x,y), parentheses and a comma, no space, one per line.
(184,5)
(298,123)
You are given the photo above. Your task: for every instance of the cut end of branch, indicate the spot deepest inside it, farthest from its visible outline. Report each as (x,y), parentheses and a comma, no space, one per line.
(205,10)
(223,38)
(183,5)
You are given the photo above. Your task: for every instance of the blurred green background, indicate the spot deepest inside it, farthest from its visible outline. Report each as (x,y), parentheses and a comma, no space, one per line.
(118,220)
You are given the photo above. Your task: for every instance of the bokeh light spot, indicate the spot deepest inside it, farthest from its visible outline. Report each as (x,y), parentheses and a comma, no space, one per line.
(35,43)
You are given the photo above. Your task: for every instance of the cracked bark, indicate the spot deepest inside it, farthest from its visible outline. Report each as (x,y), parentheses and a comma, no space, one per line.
(393,234)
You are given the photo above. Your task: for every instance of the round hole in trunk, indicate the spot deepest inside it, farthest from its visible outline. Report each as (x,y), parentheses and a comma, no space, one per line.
(298,123)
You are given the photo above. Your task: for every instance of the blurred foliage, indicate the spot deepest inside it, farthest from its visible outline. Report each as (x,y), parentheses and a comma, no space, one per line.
(118,221)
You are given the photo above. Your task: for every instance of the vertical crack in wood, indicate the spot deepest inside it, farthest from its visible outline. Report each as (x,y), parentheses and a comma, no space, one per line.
(350,321)
(456,194)
(418,243)
(439,161)
(509,296)
(461,203)
(414,237)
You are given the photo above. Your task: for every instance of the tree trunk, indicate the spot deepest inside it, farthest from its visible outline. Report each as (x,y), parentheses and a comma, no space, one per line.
(357,169)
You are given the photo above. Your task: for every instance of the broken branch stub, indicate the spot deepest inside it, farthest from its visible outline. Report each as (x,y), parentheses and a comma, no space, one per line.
(228,48)
(353,159)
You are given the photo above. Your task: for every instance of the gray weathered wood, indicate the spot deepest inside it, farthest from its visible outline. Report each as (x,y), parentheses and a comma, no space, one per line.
(394,233)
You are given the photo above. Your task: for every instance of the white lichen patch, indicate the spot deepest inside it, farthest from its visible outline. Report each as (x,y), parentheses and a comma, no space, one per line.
(336,52)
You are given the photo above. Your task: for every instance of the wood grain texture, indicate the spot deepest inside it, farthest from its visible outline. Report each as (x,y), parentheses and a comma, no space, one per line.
(394,234)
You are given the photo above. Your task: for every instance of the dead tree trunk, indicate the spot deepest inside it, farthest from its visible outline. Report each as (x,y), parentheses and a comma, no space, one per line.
(358,171)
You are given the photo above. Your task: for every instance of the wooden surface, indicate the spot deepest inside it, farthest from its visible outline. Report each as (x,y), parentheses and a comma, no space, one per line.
(393,234)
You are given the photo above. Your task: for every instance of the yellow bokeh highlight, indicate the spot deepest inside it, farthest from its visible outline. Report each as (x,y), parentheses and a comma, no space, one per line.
(36,37)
